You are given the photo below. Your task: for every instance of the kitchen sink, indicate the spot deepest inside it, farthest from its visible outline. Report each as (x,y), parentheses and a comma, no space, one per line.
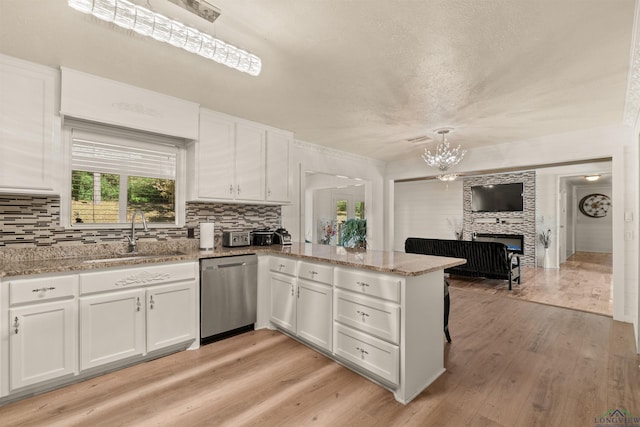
(132,257)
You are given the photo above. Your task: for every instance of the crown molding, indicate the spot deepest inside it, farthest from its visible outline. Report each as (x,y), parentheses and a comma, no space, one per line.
(632,103)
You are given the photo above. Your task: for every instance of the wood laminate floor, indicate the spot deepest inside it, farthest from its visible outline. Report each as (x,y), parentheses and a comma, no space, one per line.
(584,282)
(511,363)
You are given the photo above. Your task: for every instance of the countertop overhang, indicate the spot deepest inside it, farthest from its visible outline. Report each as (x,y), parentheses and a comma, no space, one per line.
(400,263)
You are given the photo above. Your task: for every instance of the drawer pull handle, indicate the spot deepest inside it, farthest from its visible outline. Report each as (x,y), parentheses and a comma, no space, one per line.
(268,192)
(151,302)
(138,305)
(43,289)
(362,314)
(281,266)
(230,188)
(291,289)
(238,189)
(16,325)
(313,273)
(362,285)
(362,352)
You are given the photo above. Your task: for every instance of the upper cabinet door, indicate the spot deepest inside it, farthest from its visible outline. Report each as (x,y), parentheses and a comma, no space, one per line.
(28,118)
(215,157)
(249,162)
(277,167)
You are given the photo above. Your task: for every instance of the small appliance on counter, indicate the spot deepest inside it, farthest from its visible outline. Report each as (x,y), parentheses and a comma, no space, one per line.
(281,237)
(231,239)
(262,237)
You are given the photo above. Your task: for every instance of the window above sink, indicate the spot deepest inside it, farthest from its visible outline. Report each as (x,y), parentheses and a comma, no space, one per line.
(114,172)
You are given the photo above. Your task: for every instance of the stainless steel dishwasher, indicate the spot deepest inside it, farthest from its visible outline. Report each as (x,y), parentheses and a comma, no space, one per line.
(228,296)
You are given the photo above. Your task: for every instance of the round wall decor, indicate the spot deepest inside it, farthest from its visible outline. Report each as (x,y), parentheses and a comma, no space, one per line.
(595,205)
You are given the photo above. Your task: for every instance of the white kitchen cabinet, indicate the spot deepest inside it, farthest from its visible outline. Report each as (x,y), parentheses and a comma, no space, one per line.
(112,327)
(213,158)
(238,160)
(250,162)
(43,342)
(170,313)
(277,166)
(29,127)
(42,330)
(283,301)
(157,311)
(314,323)
(301,299)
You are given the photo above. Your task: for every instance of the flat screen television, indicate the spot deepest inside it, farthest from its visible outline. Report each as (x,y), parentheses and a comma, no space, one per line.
(497,197)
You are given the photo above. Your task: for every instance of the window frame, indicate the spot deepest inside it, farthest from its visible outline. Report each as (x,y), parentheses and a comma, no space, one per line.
(123,136)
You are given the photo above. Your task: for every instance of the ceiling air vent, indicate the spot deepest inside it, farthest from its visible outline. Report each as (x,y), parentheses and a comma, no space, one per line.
(419,139)
(202,8)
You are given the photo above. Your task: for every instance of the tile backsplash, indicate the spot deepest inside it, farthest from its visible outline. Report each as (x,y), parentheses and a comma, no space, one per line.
(28,221)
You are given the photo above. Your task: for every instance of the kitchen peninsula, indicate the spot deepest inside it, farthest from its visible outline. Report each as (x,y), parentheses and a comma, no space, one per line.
(379,313)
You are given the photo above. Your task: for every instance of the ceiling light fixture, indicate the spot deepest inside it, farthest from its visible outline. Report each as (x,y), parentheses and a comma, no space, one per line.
(444,157)
(592,178)
(147,23)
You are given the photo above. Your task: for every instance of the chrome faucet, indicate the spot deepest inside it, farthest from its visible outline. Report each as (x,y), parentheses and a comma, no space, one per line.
(132,239)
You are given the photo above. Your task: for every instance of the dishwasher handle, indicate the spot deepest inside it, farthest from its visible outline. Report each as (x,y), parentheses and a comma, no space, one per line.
(235,264)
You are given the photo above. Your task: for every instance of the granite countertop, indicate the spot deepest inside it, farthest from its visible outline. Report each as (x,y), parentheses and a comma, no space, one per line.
(20,262)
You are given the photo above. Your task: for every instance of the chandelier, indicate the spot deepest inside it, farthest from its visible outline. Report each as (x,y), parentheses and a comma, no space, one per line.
(129,16)
(444,157)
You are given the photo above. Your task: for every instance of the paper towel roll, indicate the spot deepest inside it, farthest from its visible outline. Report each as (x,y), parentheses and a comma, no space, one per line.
(206,235)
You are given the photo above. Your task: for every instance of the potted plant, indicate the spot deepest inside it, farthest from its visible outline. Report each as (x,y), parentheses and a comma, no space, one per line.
(354,233)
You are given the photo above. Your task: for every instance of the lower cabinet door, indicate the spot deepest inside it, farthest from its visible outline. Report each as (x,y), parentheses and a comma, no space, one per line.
(43,342)
(379,357)
(314,318)
(112,327)
(170,315)
(283,301)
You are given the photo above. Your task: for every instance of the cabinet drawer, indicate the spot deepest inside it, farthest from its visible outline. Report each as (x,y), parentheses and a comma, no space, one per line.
(315,272)
(125,278)
(283,265)
(377,285)
(375,317)
(42,289)
(377,356)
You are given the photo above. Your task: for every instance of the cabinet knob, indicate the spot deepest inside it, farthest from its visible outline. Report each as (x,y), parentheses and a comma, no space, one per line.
(313,273)
(230,188)
(238,189)
(151,302)
(363,285)
(138,304)
(16,325)
(362,352)
(362,314)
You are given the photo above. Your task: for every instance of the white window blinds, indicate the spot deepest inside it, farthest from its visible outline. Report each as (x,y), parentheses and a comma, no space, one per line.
(93,152)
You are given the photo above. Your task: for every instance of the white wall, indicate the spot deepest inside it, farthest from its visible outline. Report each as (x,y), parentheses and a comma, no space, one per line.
(614,142)
(426,209)
(311,157)
(593,234)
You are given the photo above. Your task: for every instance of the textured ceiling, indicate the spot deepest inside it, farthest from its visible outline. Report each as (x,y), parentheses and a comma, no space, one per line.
(366,75)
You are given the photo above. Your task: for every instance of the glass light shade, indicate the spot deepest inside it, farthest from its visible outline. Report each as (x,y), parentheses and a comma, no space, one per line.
(161,28)
(233,57)
(208,48)
(128,15)
(245,61)
(84,6)
(256,65)
(104,9)
(220,55)
(193,43)
(144,21)
(178,34)
(125,14)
